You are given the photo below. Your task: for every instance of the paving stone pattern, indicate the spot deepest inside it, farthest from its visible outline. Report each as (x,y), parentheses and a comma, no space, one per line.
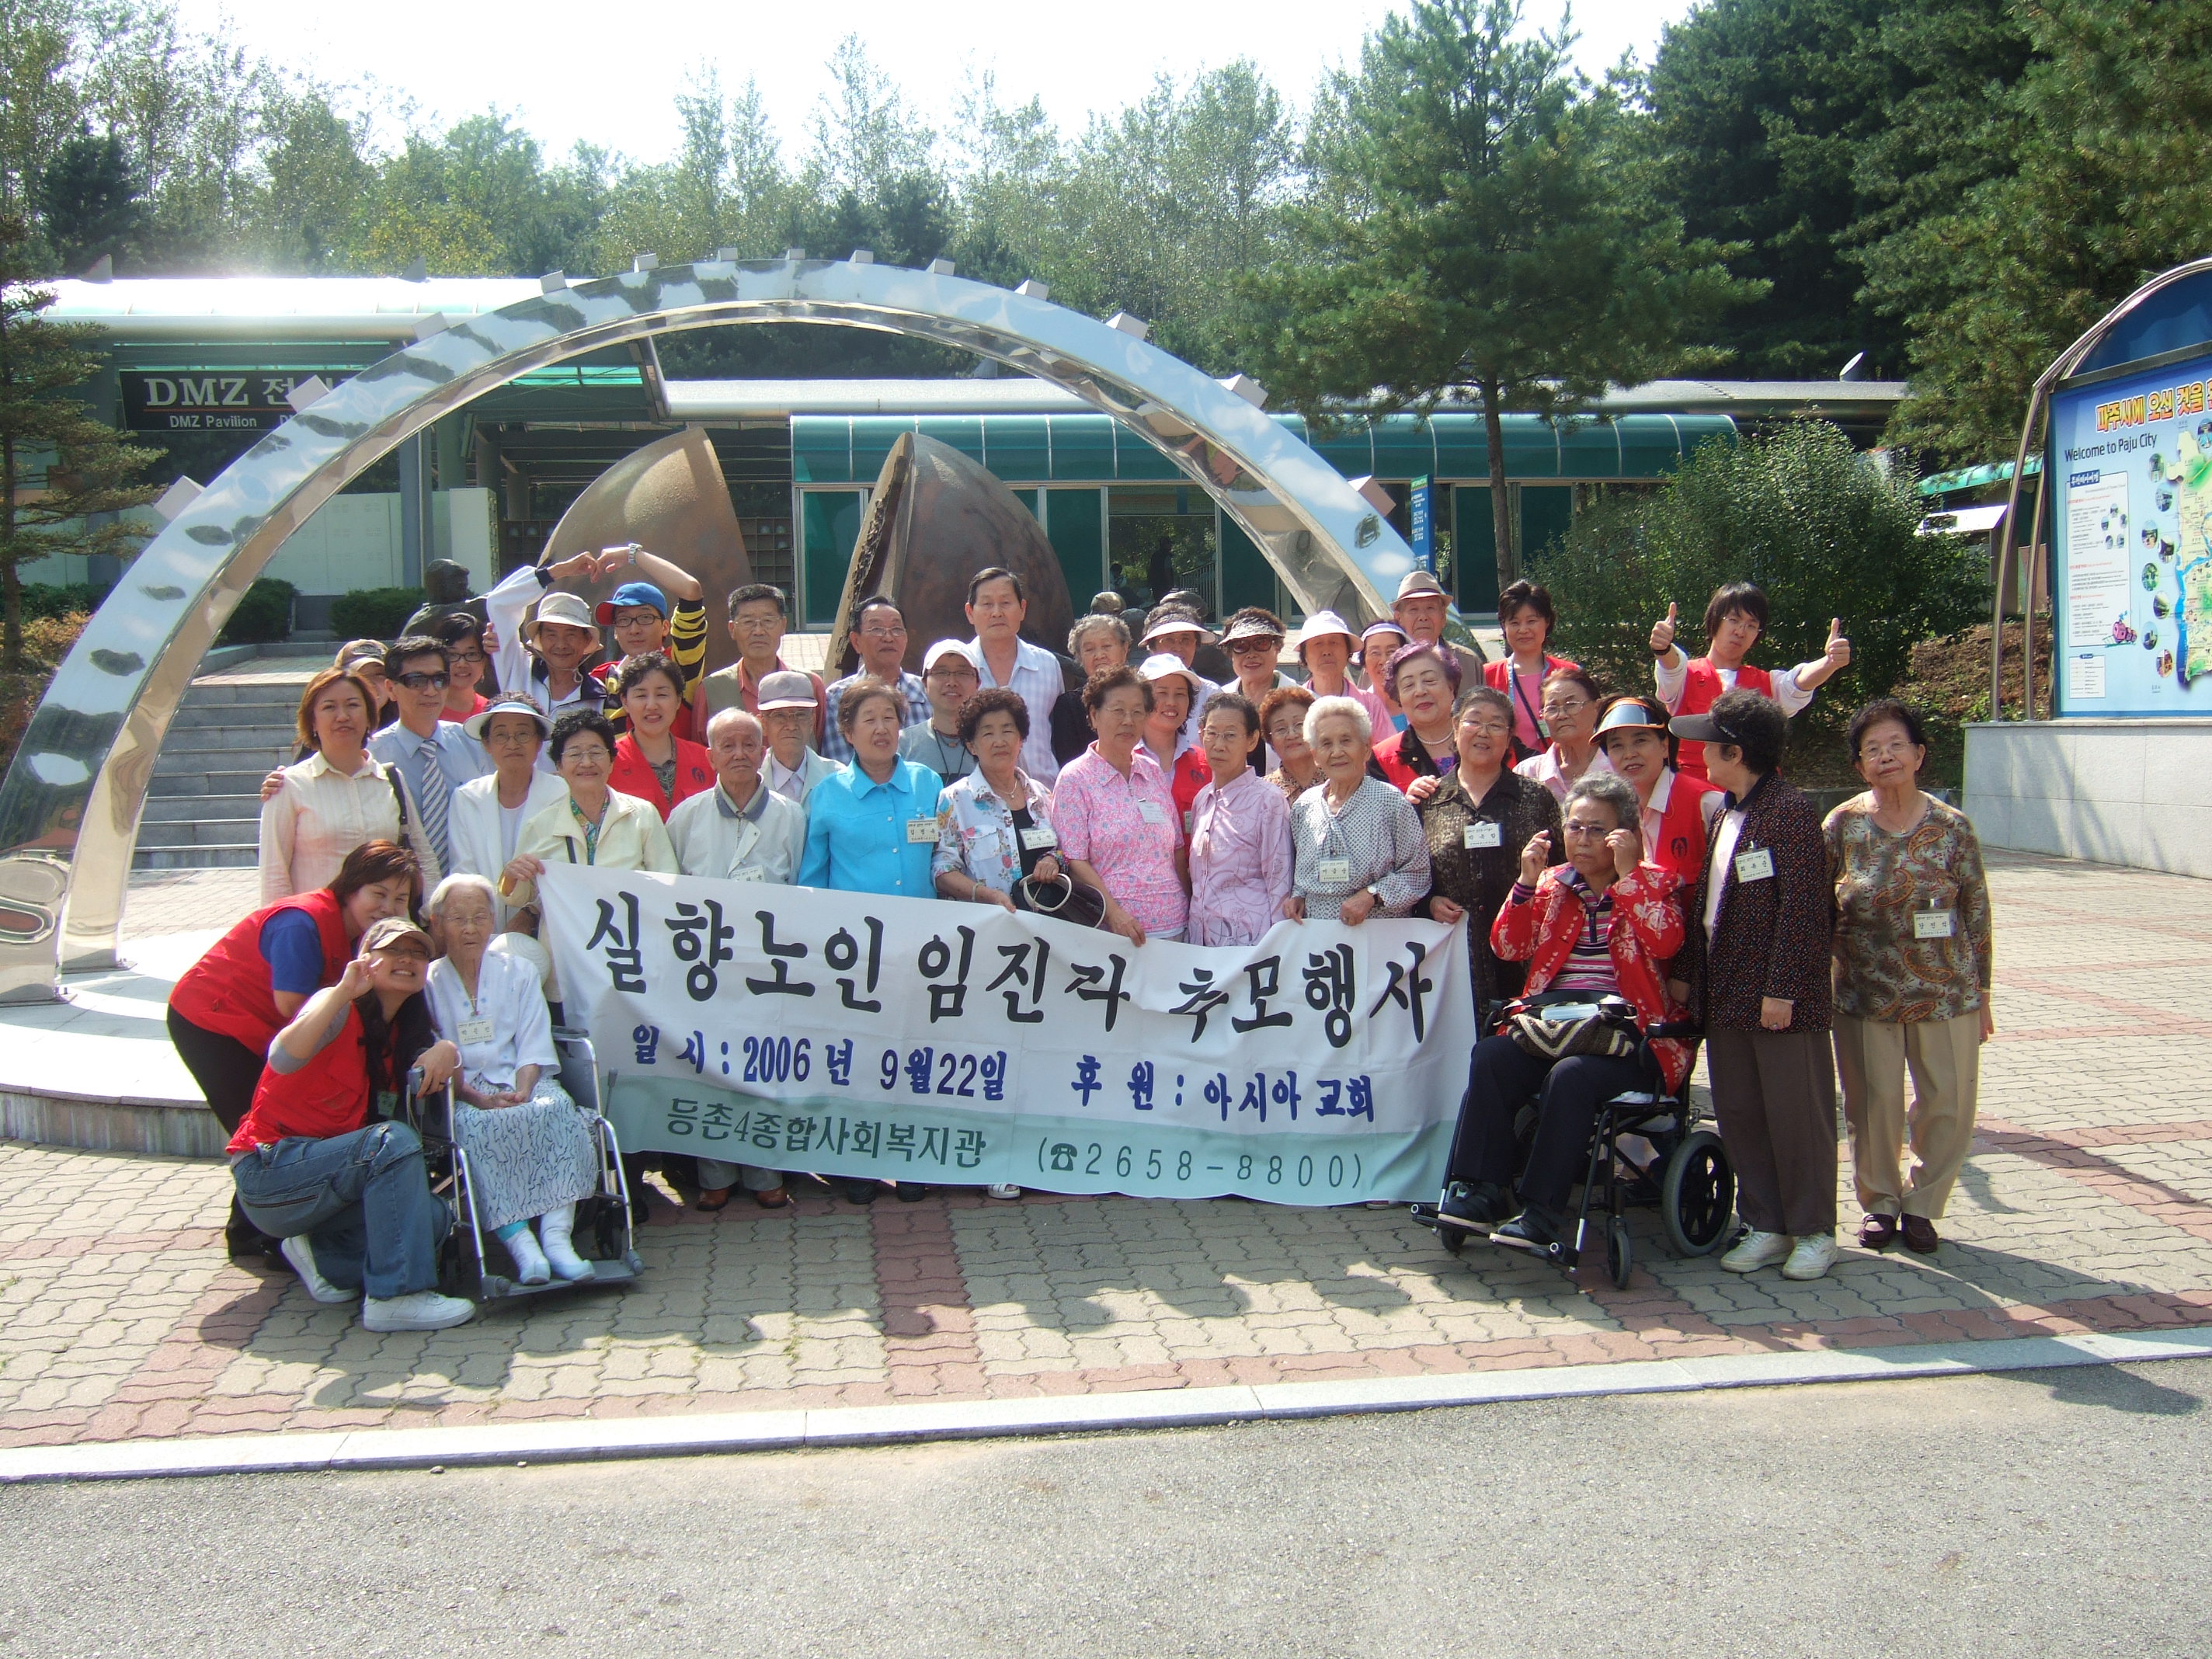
(2088,1206)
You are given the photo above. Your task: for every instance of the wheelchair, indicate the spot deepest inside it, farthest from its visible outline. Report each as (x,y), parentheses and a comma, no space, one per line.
(603,1234)
(1688,1177)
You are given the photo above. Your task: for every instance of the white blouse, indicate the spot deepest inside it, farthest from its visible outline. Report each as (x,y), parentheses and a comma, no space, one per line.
(509,1006)
(320,815)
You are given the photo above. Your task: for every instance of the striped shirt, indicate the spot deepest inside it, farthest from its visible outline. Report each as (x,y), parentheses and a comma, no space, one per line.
(1588,966)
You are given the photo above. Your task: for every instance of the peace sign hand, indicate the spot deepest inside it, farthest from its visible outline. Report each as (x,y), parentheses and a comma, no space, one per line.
(1662,634)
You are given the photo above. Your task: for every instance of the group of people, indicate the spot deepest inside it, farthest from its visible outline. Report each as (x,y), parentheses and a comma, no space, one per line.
(1641,844)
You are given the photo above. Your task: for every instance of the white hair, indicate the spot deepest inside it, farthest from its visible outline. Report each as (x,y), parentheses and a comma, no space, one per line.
(744,714)
(1339,707)
(459,882)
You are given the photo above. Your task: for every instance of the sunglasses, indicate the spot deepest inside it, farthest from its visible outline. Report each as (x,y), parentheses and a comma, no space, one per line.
(424,681)
(1254,647)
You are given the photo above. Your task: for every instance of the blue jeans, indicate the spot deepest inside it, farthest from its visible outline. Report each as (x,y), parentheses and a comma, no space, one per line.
(363,1200)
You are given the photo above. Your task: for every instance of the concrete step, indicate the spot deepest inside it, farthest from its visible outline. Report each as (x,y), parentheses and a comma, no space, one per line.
(187,784)
(197,858)
(274,693)
(200,717)
(203,740)
(200,832)
(196,808)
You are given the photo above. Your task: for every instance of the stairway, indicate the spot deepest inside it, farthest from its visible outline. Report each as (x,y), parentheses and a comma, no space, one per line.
(235,725)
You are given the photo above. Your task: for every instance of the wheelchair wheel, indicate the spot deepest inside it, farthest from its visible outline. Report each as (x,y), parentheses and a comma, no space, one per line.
(1696,1194)
(1620,1255)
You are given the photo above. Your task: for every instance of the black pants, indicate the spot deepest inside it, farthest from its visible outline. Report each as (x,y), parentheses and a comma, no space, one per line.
(1502,1078)
(227,1072)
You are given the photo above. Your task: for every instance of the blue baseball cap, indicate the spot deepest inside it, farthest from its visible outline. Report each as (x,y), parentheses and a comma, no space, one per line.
(630,593)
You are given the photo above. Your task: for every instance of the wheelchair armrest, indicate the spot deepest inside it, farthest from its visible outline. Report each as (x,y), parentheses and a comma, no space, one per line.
(1680,1030)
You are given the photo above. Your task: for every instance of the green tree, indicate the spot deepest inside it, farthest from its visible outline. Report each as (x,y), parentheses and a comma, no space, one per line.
(1828,533)
(59,467)
(1479,223)
(39,105)
(89,202)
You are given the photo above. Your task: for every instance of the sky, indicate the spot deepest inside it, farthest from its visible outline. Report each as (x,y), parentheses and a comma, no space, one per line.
(570,72)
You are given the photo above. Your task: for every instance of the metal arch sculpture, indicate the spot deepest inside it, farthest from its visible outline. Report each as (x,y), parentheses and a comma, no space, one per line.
(70,804)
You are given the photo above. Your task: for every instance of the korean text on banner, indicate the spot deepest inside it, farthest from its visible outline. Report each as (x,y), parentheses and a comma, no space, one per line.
(849,1035)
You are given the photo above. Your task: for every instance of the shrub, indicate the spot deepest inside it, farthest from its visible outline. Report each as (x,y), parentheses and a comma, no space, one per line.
(374,613)
(57,601)
(1823,530)
(264,615)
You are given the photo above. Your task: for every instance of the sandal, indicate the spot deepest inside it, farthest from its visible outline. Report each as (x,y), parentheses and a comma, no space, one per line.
(1878,1232)
(712,1197)
(775,1198)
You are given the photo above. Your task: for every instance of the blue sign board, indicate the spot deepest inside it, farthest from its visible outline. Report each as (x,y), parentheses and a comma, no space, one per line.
(1421,510)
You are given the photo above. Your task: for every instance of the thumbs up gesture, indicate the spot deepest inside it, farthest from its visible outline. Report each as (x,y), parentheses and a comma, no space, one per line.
(1838,653)
(1662,634)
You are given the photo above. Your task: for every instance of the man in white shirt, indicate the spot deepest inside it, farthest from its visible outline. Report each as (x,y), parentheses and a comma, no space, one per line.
(880,635)
(433,754)
(997,607)
(788,714)
(563,635)
(741,830)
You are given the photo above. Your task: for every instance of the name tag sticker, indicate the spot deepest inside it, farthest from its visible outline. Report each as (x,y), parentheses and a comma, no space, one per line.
(918,830)
(1035,838)
(1481,835)
(1151,812)
(472,1032)
(1332,870)
(1186,819)
(1755,865)
(1932,923)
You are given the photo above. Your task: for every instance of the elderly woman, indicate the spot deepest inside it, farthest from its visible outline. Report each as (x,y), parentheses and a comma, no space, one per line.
(318,1162)
(1677,810)
(1477,822)
(651,761)
(1911,978)
(1602,924)
(1325,647)
(1098,642)
(1378,643)
(1117,816)
(1240,833)
(994,826)
(1754,972)
(1283,718)
(228,1005)
(1526,617)
(1423,681)
(1360,848)
(337,799)
(488,812)
(595,825)
(1571,700)
(1171,729)
(1254,640)
(873,827)
(531,1151)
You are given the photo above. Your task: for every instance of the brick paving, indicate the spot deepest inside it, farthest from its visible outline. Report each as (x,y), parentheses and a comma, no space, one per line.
(2088,1206)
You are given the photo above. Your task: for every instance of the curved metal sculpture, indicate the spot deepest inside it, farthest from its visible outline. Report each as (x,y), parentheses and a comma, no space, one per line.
(936,519)
(70,807)
(669,496)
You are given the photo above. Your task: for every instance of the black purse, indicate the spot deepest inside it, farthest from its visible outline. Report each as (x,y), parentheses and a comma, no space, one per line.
(1063,900)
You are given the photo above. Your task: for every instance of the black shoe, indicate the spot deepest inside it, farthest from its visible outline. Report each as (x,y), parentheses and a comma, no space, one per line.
(1525,1232)
(1473,1207)
(910,1192)
(860,1192)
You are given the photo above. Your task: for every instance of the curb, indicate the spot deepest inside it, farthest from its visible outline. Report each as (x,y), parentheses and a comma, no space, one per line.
(875,1426)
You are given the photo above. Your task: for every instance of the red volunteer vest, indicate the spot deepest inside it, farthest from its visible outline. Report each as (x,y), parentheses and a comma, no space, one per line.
(327,1097)
(228,991)
(1681,845)
(633,774)
(1700,692)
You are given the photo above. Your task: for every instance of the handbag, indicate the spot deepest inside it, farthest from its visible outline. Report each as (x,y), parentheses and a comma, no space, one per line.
(1557,1024)
(1063,900)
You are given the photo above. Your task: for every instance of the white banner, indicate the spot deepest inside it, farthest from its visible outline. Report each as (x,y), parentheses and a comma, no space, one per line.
(844,1034)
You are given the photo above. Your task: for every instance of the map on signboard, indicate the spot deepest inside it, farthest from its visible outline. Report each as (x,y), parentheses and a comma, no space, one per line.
(2190,479)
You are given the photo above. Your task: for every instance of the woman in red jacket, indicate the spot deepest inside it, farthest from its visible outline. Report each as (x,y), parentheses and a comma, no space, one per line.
(1602,924)
(1735,619)
(651,761)
(1526,617)
(228,1005)
(1677,812)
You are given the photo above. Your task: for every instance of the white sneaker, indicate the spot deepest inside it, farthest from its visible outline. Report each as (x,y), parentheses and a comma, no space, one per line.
(530,1266)
(1003,1189)
(301,1254)
(418,1310)
(1757,1250)
(1814,1255)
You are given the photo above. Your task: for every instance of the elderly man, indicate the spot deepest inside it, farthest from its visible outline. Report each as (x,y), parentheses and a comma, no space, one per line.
(789,715)
(758,620)
(549,656)
(949,678)
(997,608)
(739,830)
(1421,609)
(879,636)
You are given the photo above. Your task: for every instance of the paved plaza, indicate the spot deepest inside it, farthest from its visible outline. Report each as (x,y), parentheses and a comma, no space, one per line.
(2088,1206)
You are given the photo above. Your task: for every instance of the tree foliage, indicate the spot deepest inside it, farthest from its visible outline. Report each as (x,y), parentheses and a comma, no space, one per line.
(1826,532)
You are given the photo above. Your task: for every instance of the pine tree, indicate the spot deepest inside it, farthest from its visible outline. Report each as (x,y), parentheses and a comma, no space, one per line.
(59,466)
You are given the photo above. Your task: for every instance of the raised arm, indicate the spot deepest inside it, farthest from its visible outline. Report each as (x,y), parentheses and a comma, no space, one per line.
(670,577)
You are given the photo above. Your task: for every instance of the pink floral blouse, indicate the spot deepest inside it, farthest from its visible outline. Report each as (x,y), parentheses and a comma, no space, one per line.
(1102,820)
(1240,861)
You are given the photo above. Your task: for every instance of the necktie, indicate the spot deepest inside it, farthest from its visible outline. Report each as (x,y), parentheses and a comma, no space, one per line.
(435,802)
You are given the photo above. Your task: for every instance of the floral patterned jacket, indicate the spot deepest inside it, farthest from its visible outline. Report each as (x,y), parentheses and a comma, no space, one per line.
(1539,928)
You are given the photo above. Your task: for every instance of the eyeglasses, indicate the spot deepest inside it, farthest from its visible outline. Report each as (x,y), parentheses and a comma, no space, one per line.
(419,681)
(476,657)
(1496,728)
(883,633)
(1254,647)
(955,674)
(1559,711)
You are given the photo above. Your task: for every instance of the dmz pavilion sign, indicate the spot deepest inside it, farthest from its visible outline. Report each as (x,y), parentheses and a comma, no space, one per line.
(848,1035)
(210,400)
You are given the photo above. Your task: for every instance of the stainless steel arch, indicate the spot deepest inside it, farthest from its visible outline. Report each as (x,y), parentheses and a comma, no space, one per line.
(70,806)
